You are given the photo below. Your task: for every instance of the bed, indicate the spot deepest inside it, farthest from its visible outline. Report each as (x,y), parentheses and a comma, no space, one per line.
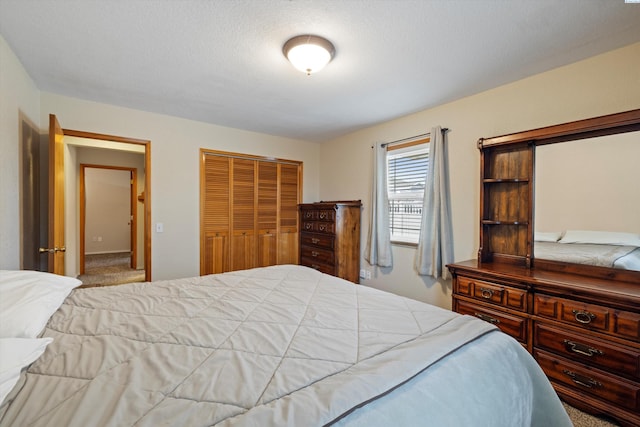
(276,346)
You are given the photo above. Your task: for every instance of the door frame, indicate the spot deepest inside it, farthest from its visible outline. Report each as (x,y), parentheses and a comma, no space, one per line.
(133,211)
(146,199)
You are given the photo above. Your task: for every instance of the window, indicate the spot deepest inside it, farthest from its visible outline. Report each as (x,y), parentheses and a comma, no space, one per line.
(407,166)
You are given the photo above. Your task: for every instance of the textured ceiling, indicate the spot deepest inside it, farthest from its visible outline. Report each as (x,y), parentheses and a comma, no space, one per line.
(221,62)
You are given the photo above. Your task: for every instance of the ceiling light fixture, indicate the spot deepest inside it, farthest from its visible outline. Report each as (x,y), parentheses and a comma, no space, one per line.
(308,53)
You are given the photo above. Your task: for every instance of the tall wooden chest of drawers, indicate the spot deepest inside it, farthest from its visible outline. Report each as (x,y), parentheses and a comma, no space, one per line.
(330,238)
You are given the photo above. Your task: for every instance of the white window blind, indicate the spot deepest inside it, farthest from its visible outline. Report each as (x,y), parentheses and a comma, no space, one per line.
(406,174)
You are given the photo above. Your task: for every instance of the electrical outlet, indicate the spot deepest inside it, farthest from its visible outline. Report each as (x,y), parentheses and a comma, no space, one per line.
(363,273)
(159,227)
(367,274)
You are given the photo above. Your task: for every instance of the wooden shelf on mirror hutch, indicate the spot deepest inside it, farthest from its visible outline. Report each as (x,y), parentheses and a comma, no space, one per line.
(506,200)
(580,322)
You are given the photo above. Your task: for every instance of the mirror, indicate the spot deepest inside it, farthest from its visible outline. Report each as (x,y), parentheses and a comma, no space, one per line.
(587,201)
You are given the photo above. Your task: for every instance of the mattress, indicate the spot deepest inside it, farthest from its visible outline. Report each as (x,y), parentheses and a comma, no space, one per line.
(275,346)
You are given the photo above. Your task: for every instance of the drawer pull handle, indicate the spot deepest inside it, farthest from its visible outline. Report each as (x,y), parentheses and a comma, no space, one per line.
(583,317)
(317,267)
(307,226)
(322,227)
(314,253)
(315,241)
(583,349)
(486,293)
(307,215)
(486,318)
(323,215)
(581,379)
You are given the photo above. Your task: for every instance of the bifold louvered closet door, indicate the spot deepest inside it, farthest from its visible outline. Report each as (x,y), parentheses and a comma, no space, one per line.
(248,211)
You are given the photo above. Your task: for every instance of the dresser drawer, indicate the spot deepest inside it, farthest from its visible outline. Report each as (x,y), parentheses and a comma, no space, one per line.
(588,316)
(597,383)
(318,227)
(315,264)
(494,293)
(514,326)
(319,215)
(581,347)
(318,255)
(319,240)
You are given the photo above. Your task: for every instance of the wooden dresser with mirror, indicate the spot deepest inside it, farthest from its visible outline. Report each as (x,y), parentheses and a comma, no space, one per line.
(558,264)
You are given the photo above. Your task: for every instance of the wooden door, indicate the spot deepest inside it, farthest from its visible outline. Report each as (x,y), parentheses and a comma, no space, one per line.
(215,216)
(33,235)
(249,211)
(243,214)
(267,210)
(216,253)
(289,187)
(56,244)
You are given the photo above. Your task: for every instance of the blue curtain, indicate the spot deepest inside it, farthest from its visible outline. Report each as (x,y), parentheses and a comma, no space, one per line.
(435,247)
(378,250)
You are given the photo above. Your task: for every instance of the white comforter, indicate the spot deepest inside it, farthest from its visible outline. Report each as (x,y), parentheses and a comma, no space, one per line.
(277,346)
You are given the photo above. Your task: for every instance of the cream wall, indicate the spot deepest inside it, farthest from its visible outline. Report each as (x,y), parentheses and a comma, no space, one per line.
(600,85)
(604,84)
(19,99)
(175,145)
(108,208)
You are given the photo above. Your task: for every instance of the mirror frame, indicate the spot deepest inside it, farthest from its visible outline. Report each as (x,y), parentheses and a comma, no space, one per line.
(628,121)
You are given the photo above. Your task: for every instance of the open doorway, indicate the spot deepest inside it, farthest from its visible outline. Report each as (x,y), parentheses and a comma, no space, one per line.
(109,224)
(84,150)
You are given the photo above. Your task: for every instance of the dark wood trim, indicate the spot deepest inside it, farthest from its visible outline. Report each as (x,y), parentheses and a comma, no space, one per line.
(627,121)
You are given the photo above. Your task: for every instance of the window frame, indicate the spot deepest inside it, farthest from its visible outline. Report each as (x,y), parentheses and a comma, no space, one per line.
(408,148)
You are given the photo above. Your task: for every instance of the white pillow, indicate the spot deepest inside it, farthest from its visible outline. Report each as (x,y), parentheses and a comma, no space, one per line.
(548,236)
(601,238)
(16,354)
(28,299)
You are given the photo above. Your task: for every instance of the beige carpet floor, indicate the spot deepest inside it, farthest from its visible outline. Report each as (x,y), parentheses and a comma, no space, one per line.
(109,269)
(582,419)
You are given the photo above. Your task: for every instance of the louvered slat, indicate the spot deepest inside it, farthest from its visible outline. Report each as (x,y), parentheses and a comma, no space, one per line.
(243,195)
(216,194)
(267,196)
(289,196)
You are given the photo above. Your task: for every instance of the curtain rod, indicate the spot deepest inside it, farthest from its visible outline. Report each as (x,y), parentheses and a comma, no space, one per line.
(410,138)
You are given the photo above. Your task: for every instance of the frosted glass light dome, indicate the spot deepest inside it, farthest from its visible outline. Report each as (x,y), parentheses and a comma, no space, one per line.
(308,53)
